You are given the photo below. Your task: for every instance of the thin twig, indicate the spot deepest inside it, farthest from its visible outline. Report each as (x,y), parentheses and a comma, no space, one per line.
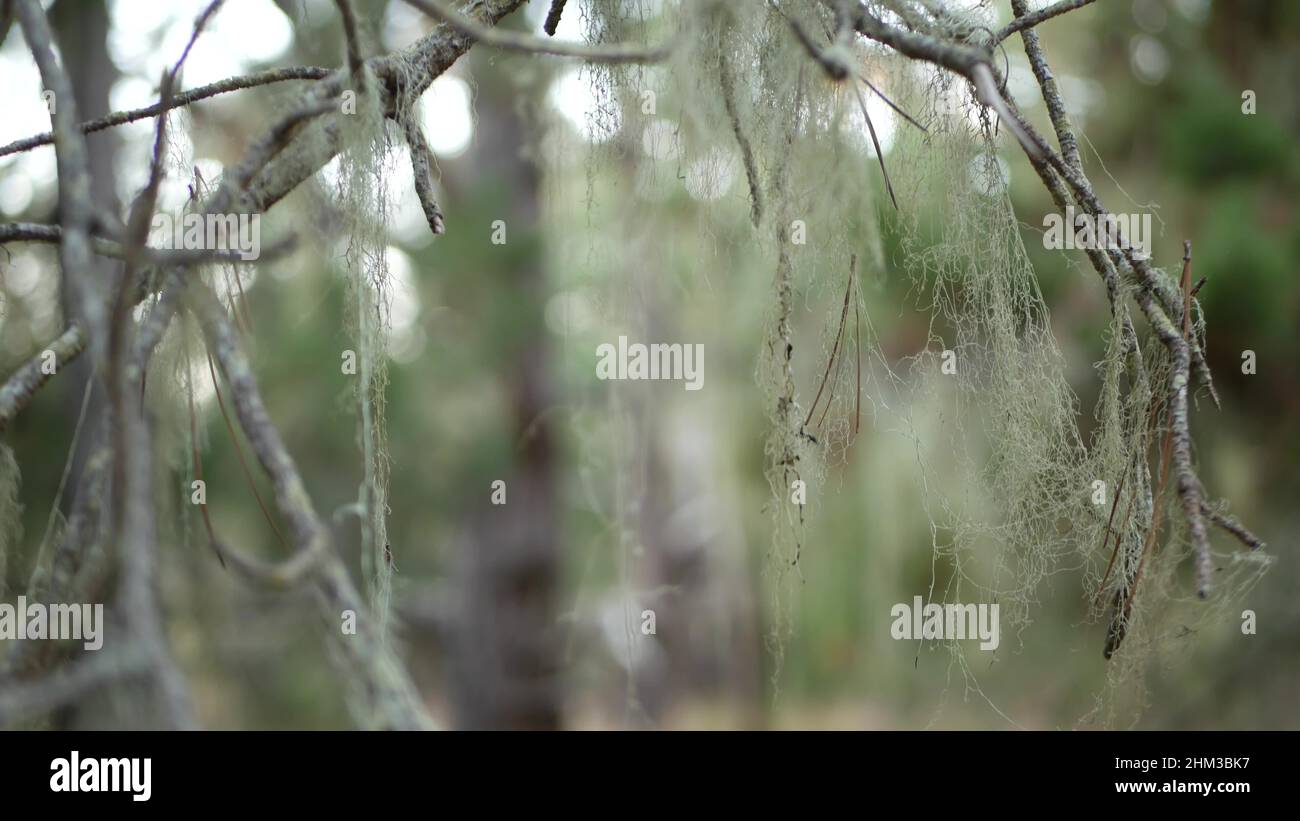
(239,454)
(261,78)
(1233,526)
(422,173)
(515,41)
(1024,22)
(162,257)
(72,161)
(839,335)
(352,41)
(880,154)
(553,17)
(727,83)
(23,384)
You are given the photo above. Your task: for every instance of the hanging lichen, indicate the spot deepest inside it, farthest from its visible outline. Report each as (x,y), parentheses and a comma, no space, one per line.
(364,164)
(11,509)
(1007,477)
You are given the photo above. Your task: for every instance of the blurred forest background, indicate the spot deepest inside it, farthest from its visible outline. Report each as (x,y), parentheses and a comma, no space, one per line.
(642,496)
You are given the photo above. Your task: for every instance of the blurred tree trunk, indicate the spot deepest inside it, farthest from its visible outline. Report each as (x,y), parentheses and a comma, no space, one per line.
(506,650)
(82,30)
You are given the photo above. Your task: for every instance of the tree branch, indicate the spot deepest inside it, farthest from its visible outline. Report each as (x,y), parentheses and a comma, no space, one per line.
(88,673)
(73,169)
(23,384)
(1025,21)
(261,78)
(352,42)
(385,696)
(515,41)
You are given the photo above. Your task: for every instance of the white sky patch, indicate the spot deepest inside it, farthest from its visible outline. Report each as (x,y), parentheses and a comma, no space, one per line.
(15,194)
(403,25)
(572,97)
(569,313)
(25,111)
(147,37)
(447,116)
(21,276)
(1081,95)
(201,378)
(953,98)
(23,177)
(659,140)
(711,176)
(330,174)
(1022,84)
(229,281)
(1150,59)
(883,119)
(989,174)
(573,28)
(1198,11)
(406,337)
(407,223)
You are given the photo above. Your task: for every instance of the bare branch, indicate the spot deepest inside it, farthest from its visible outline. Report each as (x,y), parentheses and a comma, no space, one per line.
(385,696)
(834,67)
(86,674)
(1025,21)
(875,143)
(163,257)
(352,41)
(19,389)
(261,78)
(1231,525)
(553,17)
(727,83)
(261,152)
(422,172)
(291,497)
(969,61)
(73,169)
(515,41)
(1051,94)
(200,23)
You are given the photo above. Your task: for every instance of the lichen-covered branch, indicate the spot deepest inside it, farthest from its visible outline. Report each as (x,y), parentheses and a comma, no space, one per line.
(422,173)
(1025,21)
(384,696)
(1164,305)
(23,384)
